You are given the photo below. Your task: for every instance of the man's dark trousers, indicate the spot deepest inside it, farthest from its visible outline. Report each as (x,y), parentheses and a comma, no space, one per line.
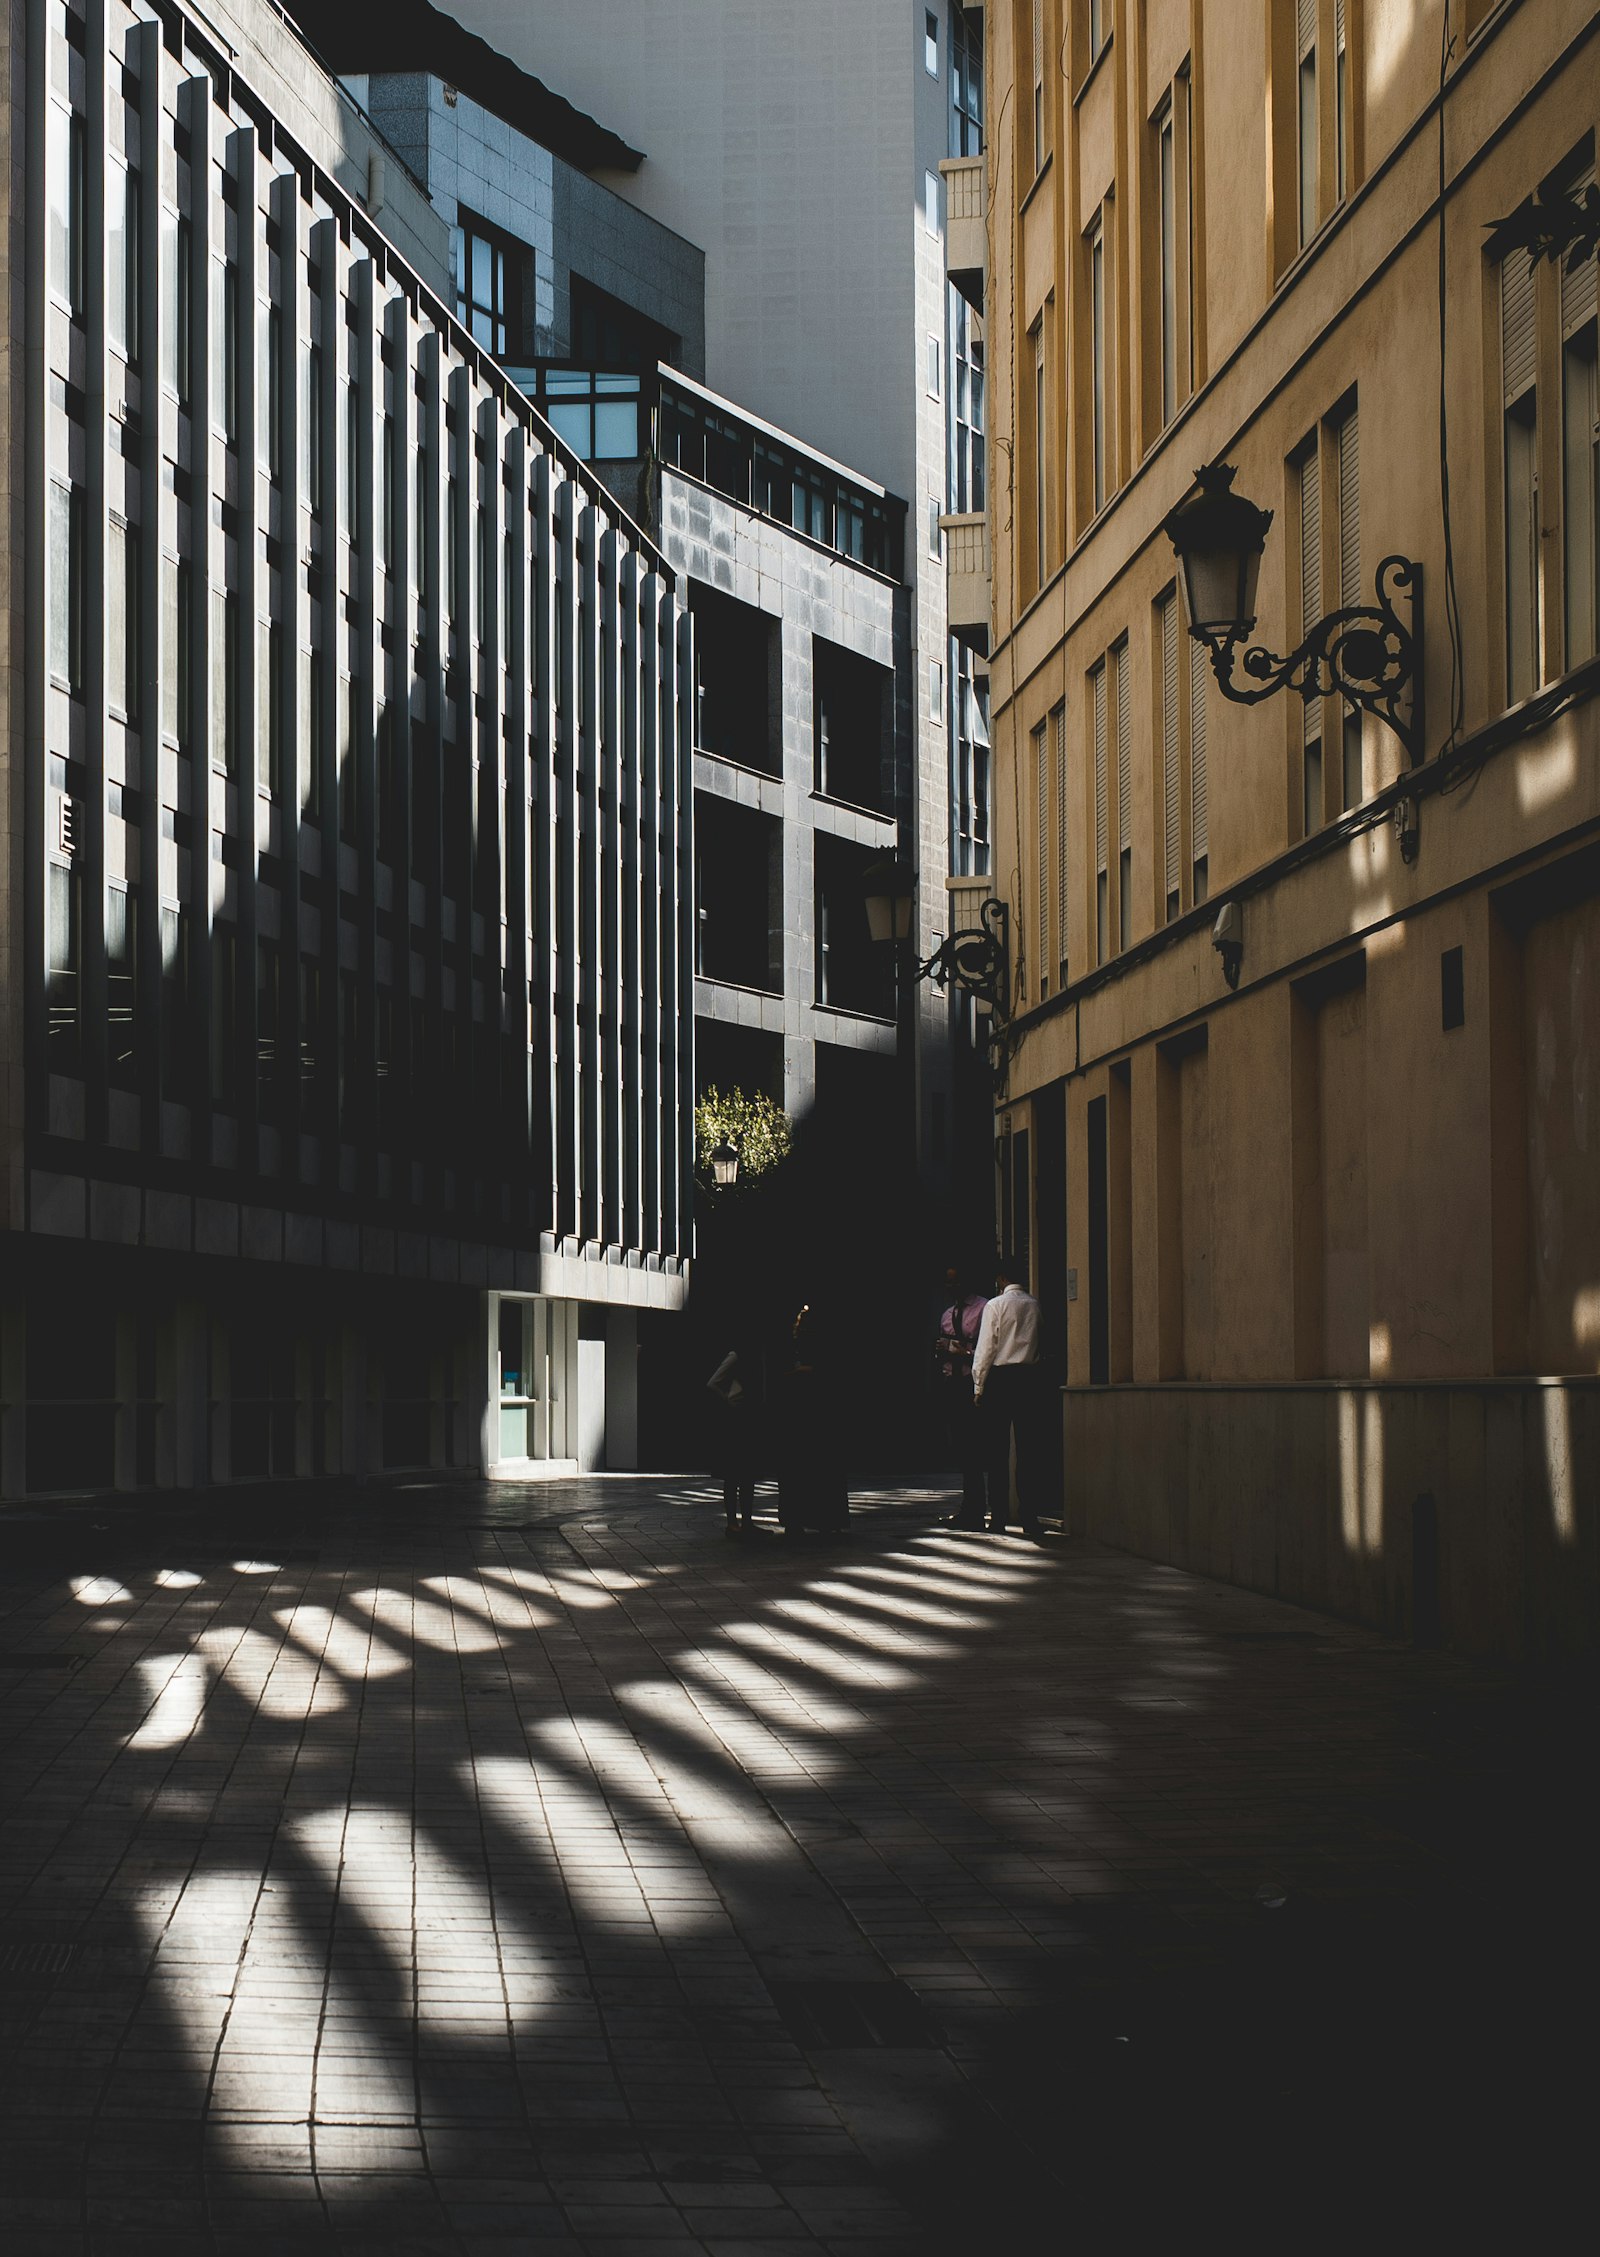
(1012,1399)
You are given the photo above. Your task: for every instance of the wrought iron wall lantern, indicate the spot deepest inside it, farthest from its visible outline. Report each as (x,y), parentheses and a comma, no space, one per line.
(1366,654)
(975,960)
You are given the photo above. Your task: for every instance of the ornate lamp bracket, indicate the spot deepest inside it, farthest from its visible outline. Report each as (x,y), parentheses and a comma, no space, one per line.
(1366,654)
(976,960)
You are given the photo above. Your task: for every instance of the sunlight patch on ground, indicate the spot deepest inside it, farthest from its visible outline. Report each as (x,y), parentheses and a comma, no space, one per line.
(175,1686)
(98,1591)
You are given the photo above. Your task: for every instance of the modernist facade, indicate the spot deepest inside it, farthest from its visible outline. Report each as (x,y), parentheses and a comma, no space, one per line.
(792,565)
(347,933)
(1327,1239)
(804,149)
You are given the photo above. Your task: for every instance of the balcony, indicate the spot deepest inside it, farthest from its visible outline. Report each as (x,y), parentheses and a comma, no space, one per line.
(966,549)
(966,236)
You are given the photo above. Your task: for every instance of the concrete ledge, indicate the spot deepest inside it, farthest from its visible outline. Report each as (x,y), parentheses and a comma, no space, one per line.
(1469,1511)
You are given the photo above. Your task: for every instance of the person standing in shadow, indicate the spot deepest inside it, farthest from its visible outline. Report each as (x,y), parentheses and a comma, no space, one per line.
(1006,1373)
(736,1416)
(957,1341)
(812,1489)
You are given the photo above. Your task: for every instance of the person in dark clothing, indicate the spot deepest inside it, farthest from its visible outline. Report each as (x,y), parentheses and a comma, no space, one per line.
(1006,1376)
(812,1491)
(735,1412)
(953,1351)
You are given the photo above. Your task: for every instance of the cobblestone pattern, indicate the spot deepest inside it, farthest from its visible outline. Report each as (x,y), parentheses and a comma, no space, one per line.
(428,1863)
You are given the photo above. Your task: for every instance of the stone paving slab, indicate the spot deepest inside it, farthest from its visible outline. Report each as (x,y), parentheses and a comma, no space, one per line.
(463,1868)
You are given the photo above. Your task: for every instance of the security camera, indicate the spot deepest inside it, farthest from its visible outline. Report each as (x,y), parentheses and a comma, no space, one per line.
(1227,938)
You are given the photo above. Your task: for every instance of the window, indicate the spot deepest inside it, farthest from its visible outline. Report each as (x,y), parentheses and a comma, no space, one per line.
(1040,742)
(1347,490)
(1199,804)
(1580,459)
(1171,776)
(1102,827)
(1170,301)
(65,135)
(270,689)
(65,521)
(852,727)
(1308,483)
(1099,26)
(224,961)
(930,43)
(225,348)
(935,533)
(930,203)
(1341,102)
(478,257)
(224,680)
(272,396)
(1100,363)
(1038,86)
(61,964)
(1124,690)
(121,984)
(935,690)
(311,425)
(1058,730)
(934,386)
(969,763)
(966,81)
(122,260)
(1306,116)
(1041,494)
(1519,383)
(122,594)
(967,408)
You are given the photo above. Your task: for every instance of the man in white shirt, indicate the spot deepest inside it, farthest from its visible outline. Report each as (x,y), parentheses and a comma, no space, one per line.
(1005,1387)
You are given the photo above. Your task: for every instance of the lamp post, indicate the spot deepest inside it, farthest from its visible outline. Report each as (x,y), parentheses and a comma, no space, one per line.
(975,959)
(1364,653)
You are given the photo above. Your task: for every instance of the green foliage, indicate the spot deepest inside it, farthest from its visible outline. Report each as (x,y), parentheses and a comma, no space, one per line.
(758,1130)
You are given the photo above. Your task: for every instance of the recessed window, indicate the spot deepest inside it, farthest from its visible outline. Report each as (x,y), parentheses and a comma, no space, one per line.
(935,690)
(935,533)
(930,43)
(933,368)
(930,202)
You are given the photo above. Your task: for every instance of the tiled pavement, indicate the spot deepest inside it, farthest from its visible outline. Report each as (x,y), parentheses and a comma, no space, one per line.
(472,1869)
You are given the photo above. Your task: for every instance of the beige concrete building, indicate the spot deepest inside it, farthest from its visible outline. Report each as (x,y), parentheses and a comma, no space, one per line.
(1326,1240)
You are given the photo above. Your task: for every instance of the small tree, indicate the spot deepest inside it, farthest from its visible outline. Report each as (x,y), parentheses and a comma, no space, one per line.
(758,1130)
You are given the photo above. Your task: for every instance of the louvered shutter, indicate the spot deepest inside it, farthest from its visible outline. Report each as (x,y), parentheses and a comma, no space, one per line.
(1102,840)
(1169,739)
(1311,570)
(1349,510)
(1199,822)
(1518,347)
(1041,769)
(1038,41)
(1578,282)
(1305,27)
(1124,761)
(1061,835)
(1338,25)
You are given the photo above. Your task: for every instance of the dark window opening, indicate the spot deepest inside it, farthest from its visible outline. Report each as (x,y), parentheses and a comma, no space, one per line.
(1099,1245)
(608,334)
(854,972)
(853,746)
(738,894)
(737,679)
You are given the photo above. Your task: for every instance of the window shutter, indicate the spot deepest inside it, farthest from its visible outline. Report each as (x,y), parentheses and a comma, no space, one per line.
(1124,762)
(1518,349)
(1311,569)
(1101,826)
(1578,282)
(1061,835)
(1038,42)
(1305,27)
(1338,25)
(1199,822)
(1169,738)
(1349,511)
(1041,765)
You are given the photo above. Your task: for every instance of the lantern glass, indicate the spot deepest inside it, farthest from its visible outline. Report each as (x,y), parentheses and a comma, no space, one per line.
(724,1166)
(1218,536)
(887,896)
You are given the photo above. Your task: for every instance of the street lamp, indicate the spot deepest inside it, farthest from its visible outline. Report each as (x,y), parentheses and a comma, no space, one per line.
(724,1165)
(975,959)
(1364,653)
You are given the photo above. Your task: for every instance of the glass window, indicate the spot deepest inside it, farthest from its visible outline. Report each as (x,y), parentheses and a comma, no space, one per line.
(65,134)
(1580,456)
(1306,137)
(65,568)
(930,43)
(930,202)
(1167,209)
(122,277)
(1099,362)
(481,277)
(598,415)
(966,82)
